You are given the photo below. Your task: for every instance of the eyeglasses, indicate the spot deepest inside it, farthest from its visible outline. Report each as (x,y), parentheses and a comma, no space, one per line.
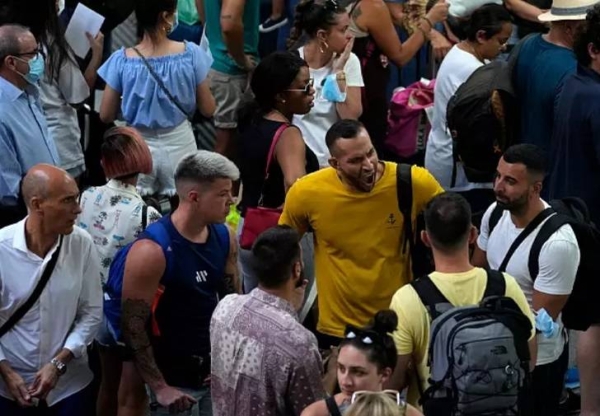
(366,337)
(34,52)
(392,394)
(306,89)
(331,5)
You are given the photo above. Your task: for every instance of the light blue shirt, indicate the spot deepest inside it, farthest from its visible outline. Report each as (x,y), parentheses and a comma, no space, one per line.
(144,104)
(24,138)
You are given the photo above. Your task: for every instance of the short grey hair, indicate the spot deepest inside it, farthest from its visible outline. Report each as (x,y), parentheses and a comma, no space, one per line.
(205,167)
(10,43)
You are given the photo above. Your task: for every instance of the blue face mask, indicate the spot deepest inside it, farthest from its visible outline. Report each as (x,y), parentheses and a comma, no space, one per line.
(36,69)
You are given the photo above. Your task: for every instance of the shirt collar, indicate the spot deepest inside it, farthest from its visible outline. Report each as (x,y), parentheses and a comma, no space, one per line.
(122,186)
(20,241)
(590,73)
(10,90)
(274,301)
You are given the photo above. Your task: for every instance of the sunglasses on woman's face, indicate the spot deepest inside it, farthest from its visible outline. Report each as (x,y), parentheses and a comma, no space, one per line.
(306,89)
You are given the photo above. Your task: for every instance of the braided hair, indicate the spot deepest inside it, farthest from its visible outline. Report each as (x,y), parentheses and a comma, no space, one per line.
(311,16)
(375,339)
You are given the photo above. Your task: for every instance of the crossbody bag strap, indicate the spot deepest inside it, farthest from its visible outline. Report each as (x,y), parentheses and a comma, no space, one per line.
(35,295)
(523,235)
(159,82)
(332,406)
(270,158)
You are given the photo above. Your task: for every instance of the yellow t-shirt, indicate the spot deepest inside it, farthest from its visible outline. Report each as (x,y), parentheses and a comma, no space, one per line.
(461,289)
(358,259)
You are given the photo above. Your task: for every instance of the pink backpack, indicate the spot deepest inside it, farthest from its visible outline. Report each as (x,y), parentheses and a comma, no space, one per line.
(408,125)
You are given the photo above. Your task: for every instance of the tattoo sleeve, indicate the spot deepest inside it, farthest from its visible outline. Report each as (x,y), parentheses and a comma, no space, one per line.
(231,277)
(136,313)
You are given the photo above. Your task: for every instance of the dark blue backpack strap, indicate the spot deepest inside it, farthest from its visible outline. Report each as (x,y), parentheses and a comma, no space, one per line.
(223,237)
(496,284)
(158,233)
(430,295)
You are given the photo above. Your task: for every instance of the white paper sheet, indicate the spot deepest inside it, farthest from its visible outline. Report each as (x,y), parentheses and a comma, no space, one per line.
(83,20)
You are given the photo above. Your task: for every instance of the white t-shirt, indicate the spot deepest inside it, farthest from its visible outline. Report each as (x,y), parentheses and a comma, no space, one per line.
(323,115)
(456,67)
(558,263)
(57,97)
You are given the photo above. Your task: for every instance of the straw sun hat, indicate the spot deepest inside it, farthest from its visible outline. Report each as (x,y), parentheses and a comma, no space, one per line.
(568,10)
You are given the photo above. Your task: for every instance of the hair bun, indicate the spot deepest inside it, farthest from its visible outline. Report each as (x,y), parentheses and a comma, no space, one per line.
(385,321)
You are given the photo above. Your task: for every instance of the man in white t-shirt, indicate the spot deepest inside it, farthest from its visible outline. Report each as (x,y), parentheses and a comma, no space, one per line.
(517,187)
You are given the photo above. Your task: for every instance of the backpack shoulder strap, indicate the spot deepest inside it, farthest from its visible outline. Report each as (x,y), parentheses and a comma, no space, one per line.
(496,284)
(549,228)
(223,237)
(524,234)
(405,198)
(430,295)
(332,406)
(144,216)
(159,234)
(494,219)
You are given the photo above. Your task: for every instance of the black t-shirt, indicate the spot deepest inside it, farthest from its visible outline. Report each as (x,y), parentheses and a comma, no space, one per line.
(254,145)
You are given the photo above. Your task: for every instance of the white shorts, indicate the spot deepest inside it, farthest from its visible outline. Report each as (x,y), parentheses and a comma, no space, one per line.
(168,147)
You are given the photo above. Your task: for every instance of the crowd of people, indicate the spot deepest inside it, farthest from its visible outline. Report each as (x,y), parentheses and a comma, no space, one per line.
(435,295)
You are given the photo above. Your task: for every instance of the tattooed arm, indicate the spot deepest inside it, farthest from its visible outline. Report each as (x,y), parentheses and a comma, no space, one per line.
(144,268)
(232,28)
(232,273)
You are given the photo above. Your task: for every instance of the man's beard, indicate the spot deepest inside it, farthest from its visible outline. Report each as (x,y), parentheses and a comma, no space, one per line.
(513,206)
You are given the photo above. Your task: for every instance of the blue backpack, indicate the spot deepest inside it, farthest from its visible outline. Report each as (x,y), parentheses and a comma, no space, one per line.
(114,285)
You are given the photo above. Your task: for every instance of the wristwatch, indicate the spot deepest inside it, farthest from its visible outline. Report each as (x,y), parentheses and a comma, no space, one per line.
(340,76)
(60,366)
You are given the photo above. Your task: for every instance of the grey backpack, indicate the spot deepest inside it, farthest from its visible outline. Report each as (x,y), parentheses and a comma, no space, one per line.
(478,355)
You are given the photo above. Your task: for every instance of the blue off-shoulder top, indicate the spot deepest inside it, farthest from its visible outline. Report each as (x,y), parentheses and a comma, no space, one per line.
(144,104)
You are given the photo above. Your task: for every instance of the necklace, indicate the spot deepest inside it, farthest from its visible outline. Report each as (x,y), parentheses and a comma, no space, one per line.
(287,120)
(472,51)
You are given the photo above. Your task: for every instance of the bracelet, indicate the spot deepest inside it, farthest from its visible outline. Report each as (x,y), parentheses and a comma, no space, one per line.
(428,22)
(340,76)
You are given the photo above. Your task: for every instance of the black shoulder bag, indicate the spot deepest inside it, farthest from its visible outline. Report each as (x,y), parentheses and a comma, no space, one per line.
(35,295)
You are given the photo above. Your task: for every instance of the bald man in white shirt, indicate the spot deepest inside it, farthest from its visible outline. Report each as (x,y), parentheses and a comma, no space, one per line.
(43,359)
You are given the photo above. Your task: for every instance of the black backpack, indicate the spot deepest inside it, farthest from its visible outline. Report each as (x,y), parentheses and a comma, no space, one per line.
(580,310)
(483,117)
(420,255)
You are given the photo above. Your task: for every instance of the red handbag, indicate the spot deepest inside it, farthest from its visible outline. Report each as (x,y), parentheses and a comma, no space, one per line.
(260,218)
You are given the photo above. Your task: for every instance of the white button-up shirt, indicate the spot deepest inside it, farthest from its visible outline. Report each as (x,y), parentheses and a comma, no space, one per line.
(67,314)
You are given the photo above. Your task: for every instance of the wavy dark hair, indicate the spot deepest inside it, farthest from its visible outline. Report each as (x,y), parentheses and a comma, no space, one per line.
(589,33)
(490,18)
(41,17)
(272,76)
(380,348)
(310,16)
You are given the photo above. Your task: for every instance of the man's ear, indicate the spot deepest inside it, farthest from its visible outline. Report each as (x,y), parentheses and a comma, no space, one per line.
(473,234)
(333,162)
(425,238)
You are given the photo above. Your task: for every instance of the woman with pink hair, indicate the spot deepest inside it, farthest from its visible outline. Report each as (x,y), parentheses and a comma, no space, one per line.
(114,215)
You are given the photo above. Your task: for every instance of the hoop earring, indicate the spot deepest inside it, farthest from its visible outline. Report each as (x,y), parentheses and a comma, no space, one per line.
(321,46)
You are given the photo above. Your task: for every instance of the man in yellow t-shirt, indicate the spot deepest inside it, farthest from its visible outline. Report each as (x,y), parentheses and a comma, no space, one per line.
(352,209)
(449,232)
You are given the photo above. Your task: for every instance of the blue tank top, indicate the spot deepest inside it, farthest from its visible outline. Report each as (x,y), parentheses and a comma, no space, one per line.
(194,283)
